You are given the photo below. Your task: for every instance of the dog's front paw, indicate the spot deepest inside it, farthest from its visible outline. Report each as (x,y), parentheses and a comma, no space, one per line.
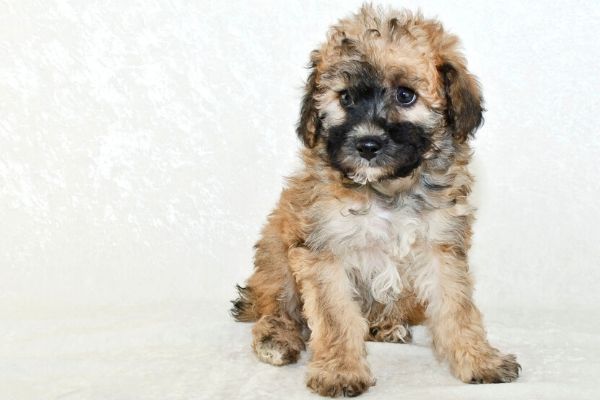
(335,379)
(497,369)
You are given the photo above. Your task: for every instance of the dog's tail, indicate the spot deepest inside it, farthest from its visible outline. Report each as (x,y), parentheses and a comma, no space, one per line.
(244,309)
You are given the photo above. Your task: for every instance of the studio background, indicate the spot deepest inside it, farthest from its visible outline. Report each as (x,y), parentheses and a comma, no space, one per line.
(142,145)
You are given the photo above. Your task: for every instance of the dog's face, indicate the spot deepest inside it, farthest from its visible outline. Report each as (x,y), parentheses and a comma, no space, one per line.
(374,127)
(386,94)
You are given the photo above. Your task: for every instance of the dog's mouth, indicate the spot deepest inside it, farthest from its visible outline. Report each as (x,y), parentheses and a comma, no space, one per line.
(375,174)
(394,152)
(391,161)
(379,168)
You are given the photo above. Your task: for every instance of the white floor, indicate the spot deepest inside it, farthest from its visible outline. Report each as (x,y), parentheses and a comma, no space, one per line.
(195,351)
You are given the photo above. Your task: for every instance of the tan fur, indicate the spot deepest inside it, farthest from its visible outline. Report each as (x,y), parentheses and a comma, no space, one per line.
(349,258)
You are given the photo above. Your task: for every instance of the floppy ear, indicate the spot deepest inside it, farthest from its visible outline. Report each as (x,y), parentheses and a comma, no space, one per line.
(464,103)
(309,124)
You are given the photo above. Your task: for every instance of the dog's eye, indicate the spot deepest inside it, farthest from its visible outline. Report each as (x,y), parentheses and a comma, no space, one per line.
(346,99)
(405,96)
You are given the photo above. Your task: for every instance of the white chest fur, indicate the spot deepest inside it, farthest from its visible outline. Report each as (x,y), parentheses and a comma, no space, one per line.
(371,240)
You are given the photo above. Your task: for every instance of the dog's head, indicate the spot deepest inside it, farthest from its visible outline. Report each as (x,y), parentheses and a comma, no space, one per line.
(387,91)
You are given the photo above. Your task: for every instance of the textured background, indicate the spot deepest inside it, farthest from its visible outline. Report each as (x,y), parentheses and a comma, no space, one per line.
(142,144)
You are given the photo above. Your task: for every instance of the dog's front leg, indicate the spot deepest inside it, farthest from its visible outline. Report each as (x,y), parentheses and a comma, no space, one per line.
(338,365)
(456,325)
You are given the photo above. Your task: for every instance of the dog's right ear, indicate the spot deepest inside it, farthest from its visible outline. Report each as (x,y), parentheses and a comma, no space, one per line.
(309,124)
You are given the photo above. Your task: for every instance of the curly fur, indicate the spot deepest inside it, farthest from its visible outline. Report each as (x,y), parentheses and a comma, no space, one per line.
(361,249)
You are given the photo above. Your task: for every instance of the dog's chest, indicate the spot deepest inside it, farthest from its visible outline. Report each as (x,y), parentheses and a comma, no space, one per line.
(366,226)
(372,241)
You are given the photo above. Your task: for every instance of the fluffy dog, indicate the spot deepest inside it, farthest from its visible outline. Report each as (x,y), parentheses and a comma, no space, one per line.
(371,236)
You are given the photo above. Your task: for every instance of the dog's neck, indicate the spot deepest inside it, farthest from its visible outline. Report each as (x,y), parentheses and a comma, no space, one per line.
(397,186)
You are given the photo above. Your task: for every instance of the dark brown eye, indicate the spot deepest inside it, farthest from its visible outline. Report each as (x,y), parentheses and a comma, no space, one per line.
(405,96)
(346,99)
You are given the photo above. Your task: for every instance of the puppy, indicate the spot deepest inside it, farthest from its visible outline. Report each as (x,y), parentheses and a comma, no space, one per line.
(372,235)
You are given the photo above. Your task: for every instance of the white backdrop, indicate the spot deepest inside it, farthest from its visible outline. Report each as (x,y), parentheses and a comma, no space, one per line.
(142,145)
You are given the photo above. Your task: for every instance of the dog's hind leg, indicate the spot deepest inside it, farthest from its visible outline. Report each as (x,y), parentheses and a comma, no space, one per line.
(390,332)
(393,324)
(277,339)
(271,299)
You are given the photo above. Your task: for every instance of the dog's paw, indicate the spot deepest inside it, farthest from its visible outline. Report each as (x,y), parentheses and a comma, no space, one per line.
(277,352)
(498,369)
(277,340)
(333,379)
(390,334)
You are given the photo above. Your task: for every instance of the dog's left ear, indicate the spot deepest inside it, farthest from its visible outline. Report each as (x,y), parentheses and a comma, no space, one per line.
(308,126)
(464,102)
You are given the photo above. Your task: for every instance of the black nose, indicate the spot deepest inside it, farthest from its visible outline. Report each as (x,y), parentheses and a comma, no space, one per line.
(368,147)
